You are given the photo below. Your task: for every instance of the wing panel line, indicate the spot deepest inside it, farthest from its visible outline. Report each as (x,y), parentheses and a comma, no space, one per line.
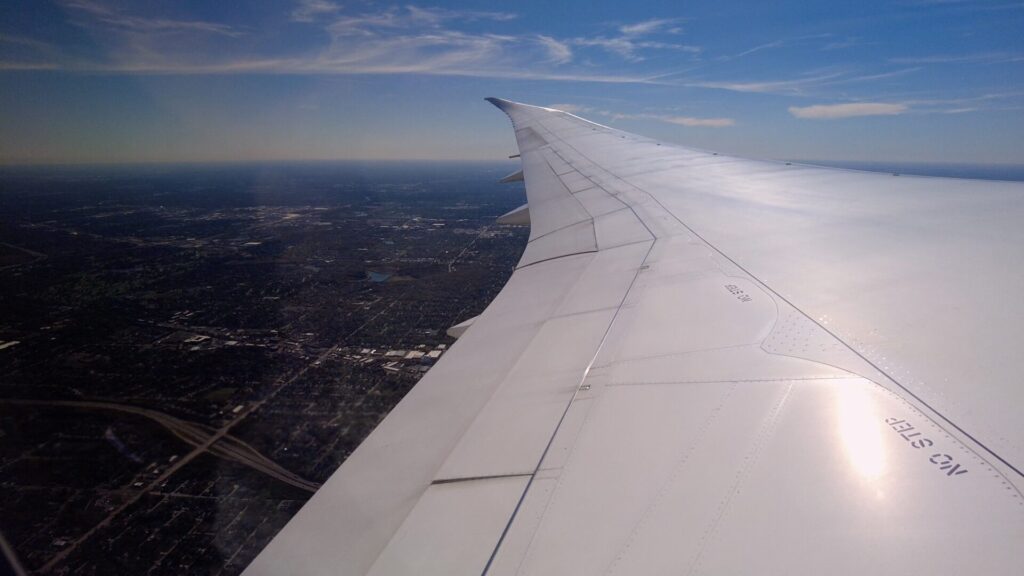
(554,433)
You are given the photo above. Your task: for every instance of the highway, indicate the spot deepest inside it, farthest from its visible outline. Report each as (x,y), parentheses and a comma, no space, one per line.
(197,435)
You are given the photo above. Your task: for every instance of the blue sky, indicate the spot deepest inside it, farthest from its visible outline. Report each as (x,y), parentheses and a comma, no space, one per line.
(142,81)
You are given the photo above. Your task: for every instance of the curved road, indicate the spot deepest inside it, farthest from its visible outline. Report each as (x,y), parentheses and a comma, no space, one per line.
(227,446)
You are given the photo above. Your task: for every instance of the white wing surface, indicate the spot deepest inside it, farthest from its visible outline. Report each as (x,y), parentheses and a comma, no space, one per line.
(708,365)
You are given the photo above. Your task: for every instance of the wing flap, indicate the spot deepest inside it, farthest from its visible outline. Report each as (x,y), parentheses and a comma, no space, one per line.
(453,525)
(552,206)
(511,432)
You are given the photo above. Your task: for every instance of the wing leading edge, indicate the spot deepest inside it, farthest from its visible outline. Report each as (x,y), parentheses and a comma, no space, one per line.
(706,364)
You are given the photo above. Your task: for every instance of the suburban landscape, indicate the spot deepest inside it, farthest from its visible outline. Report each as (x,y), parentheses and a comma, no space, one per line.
(188,352)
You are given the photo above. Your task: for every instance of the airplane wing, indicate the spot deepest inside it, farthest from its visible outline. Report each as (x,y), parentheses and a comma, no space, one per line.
(708,365)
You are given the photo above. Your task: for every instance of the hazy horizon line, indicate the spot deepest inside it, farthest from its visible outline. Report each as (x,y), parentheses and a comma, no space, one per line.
(112,163)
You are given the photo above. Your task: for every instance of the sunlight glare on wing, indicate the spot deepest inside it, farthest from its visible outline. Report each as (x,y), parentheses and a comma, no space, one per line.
(859,430)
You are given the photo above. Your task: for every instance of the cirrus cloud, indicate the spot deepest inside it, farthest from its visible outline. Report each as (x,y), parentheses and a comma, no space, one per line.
(850,110)
(690,121)
(310,10)
(702,122)
(558,52)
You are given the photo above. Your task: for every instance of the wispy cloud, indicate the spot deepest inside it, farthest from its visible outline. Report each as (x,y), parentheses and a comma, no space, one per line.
(428,41)
(755,49)
(116,19)
(981,58)
(630,48)
(411,39)
(394,40)
(21,53)
(633,39)
(780,43)
(620,46)
(698,122)
(650,26)
(26,42)
(976,98)
(394,20)
(17,65)
(842,44)
(793,86)
(872,77)
(436,16)
(961,105)
(558,52)
(850,110)
(690,121)
(310,10)
(809,84)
